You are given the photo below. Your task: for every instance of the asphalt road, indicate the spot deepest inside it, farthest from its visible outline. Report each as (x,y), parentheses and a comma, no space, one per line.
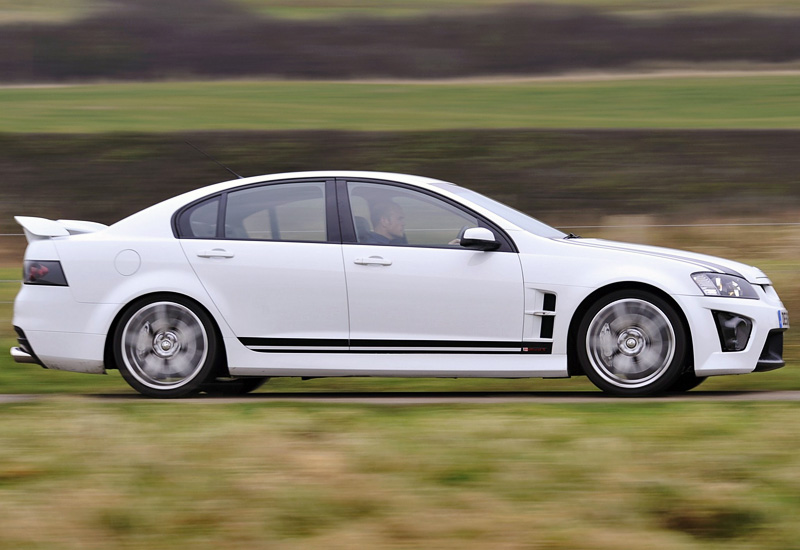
(428,398)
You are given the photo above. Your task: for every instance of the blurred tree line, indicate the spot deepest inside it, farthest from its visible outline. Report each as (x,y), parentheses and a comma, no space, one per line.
(562,177)
(155,39)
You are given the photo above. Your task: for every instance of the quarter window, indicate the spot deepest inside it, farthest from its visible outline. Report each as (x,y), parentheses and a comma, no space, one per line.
(200,220)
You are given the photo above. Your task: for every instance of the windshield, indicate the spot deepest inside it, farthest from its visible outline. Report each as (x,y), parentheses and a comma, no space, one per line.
(523,221)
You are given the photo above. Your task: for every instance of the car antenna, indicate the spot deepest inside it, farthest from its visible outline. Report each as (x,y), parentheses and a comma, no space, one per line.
(212,158)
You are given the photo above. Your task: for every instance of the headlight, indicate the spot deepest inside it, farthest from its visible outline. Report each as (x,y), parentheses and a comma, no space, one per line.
(718,284)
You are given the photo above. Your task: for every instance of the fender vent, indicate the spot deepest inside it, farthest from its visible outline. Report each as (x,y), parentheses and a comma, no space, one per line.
(548,304)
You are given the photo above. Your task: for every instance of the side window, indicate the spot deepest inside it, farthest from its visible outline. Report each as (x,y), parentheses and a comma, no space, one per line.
(384,214)
(200,221)
(280,212)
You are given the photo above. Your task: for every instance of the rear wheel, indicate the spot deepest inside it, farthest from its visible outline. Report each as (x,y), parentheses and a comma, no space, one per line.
(165,346)
(632,343)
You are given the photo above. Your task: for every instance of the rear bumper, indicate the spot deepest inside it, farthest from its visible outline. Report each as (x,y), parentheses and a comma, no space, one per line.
(58,332)
(69,351)
(24,353)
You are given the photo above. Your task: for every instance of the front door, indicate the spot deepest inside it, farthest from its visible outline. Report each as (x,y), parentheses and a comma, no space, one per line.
(412,287)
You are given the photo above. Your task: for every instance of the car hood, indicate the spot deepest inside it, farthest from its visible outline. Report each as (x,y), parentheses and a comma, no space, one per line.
(702,262)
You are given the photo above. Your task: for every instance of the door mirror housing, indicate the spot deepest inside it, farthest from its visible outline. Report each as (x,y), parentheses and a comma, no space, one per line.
(479,238)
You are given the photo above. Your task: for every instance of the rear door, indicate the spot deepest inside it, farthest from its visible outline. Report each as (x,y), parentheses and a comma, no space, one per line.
(270,257)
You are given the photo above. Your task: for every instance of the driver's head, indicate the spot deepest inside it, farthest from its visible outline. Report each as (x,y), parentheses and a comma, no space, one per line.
(388,220)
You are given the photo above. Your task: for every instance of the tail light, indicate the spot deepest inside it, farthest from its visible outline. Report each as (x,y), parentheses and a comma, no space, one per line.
(43,273)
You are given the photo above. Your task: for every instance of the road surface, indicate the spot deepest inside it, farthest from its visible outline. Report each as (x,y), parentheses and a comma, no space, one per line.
(427,398)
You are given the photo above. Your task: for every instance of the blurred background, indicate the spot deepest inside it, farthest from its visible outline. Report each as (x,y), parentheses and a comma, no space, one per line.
(666,122)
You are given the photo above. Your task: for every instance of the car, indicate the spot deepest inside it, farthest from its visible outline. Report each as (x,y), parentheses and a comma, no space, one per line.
(350,273)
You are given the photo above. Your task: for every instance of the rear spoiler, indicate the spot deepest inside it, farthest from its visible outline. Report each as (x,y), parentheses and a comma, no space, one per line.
(42,228)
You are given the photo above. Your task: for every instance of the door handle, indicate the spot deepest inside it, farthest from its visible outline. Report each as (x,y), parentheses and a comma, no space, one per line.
(215,253)
(372,260)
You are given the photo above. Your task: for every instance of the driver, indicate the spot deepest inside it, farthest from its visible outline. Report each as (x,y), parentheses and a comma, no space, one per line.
(388,223)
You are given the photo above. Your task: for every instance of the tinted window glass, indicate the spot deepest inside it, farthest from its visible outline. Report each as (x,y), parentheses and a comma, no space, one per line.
(200,221)
(384,214)
(523,221)
(282,212)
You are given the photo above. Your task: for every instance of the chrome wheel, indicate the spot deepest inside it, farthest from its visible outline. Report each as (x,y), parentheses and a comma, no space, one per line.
(633,343)
(164,348)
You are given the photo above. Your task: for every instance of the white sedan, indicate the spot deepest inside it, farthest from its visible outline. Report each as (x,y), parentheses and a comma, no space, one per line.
(349,273)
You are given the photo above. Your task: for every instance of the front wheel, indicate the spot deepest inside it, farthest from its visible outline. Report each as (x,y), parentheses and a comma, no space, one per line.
(165,346)
(632,343)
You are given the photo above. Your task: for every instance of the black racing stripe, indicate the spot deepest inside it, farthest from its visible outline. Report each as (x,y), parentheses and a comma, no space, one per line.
(409,351)
(286,345)
(431,344)
(295,342)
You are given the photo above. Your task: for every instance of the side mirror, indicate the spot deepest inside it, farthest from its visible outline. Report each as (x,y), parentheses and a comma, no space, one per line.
(479,238)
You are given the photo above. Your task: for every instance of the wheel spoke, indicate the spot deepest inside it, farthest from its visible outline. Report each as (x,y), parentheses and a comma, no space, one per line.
(156,368)
(190,334)
(623,366)
(606,342)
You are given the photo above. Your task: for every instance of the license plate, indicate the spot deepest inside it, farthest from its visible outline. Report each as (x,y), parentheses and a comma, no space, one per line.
(783,318)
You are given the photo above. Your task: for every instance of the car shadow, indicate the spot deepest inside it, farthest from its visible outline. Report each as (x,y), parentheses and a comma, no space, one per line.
(419,397)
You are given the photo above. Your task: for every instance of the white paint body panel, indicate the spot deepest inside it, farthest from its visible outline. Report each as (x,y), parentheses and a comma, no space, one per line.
(275,289)
(433,294)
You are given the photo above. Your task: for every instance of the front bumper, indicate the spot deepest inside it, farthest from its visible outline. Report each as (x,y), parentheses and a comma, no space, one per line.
(772,354)
(764,348)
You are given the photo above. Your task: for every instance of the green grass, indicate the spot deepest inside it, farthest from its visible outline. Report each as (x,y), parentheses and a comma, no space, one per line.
(45,11)
(716,102)
(315,9)
(93,474)
(61,11)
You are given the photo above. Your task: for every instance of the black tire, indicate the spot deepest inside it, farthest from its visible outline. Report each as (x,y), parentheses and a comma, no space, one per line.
(632,343)
(165,346)
(233,386)
(686,382)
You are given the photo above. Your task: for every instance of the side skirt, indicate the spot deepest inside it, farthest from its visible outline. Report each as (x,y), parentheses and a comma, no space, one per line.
(438,364)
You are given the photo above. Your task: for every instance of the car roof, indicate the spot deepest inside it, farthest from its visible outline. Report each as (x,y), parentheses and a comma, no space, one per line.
(363,174)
